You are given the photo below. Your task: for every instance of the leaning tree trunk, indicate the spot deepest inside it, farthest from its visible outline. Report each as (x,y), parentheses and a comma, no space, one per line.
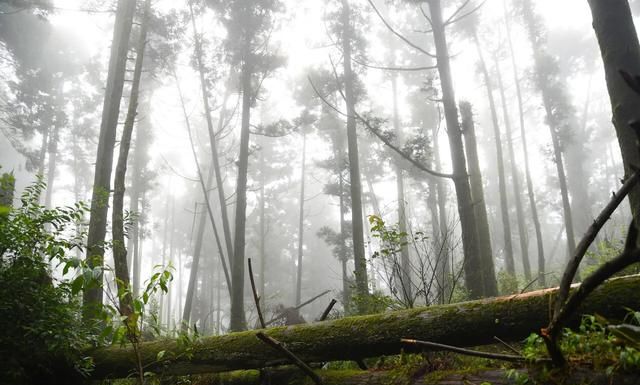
(522,228)
(195,263)
(616,33)
(212,138)
(405,268)
(102,179)
(473,263)
(119,249)
(473,323)
(525,150)
(443,245)
(362,287)
(504,204)
(477,192)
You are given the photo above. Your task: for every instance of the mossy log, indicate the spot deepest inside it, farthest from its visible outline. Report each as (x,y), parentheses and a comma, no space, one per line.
(464,324)
(419,375)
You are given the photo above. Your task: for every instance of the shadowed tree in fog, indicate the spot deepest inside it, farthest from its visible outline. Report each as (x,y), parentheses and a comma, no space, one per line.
(106,143)
(249,25)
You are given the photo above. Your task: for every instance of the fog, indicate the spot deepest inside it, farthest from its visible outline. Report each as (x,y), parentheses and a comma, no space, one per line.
(300,195)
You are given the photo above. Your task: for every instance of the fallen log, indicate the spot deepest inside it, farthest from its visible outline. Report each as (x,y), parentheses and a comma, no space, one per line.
(464,324)
(419,375)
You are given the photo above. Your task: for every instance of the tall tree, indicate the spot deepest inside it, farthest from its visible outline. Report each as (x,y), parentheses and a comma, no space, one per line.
(614,27)
(362,287)
(504,204)
(515,180)
(525,150)
(559,117)
(249,25)
(106,143)
(473,264)
(477,191)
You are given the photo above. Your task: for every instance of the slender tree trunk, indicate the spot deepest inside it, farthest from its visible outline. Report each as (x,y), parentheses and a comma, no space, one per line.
(549,99)
(515,181)
(212,139)
(119,249)
(106,142)
(171,261)
(43,150)
(53,148)
(504,204)
(472,260)
(346,286)
(205,191)
(618,39)
(263,234)
(301,220)
(237,321)
(405,268)
(195,263)
(360,262)
(525,150)
(479,203)
(443,246)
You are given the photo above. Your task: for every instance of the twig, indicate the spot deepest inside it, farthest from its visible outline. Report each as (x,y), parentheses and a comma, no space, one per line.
(384,140)
(398,34)
(507,345)
(256,297)
(282,315)
(326,311)
(277,345)
(589,237)
(474,353)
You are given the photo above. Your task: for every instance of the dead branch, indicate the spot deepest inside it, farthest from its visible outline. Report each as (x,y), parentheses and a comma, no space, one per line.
(294,359)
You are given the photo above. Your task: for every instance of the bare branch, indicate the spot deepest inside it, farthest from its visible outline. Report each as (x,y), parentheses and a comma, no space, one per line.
(398,34)
(394,68)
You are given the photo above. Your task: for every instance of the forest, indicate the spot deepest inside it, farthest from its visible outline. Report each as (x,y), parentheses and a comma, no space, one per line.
(319,192)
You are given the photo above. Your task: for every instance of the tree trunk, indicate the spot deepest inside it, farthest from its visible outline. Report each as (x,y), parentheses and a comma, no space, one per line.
(472,260)
(405,375)
(443,245)
(119,249)
(301,221)
(555,122)
(362,287)
(616,33)
(106,142)
(212,138)
(504,204)
(473,323)
(405,268)
(237,316)
(195,263)
(515,181)
(53,146)
(263,254)
(525,150)
(479,203)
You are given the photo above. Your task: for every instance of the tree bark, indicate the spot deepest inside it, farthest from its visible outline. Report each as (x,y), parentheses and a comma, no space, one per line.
(106,142)
(362,287)
(119,249)
(212,138)
(479,203)
(402,376)
(463,324)
(301,220)
(556,124)
(502,183)
(525,150)
(472,260)
(616,33)
(515,181)
(237,316)
(405,268)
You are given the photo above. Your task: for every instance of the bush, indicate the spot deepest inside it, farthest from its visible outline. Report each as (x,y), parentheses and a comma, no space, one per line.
(41,333)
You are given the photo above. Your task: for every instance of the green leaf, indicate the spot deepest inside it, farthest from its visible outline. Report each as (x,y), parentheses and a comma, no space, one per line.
(160,355)
(77,284)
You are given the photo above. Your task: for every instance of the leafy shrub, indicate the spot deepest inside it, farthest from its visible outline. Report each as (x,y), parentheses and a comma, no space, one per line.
(40,326)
